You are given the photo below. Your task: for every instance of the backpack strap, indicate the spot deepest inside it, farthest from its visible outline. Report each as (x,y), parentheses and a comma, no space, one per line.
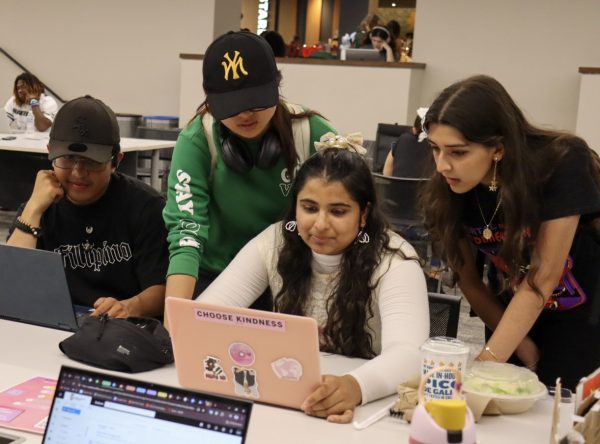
(207,123)
(301,132)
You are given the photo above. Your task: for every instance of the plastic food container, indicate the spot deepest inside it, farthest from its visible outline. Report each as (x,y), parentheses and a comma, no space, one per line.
(494,388)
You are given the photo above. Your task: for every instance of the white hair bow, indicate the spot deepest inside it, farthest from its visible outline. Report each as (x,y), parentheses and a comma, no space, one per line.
(351,142)
(422,112)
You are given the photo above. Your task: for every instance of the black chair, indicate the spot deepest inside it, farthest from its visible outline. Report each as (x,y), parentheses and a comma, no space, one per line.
(444,311)
(386,134)
(398,199)
(165,154)
(18,171)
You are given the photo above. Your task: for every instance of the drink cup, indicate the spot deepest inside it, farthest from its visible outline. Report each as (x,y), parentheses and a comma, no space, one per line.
(442,351)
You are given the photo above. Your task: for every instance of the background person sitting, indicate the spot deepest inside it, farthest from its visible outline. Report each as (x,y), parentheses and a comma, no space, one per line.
(395,32)
(275,41)
(380,39)
(364,28)
(409,156)
(334,259)
(29,109)
(107,226)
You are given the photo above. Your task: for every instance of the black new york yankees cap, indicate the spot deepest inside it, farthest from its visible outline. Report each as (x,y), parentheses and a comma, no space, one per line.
(239,73)
(84,127)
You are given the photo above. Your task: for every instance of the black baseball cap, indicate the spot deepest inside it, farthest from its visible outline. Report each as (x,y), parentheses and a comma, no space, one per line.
(239,73)
(84,127)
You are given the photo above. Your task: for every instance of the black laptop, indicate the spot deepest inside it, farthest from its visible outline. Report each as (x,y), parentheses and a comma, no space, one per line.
(33,289)
(91,407)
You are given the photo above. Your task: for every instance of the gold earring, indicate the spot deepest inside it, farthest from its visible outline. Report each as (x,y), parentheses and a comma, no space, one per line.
(494,183)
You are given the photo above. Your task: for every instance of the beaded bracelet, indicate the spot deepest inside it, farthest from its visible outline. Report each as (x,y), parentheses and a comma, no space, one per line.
(26,228)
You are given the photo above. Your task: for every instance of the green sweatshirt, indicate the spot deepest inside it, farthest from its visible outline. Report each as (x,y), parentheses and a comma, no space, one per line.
(210,221)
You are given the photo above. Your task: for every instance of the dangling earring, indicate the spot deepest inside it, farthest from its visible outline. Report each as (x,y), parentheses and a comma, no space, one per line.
(290,226)
(494,183)
(363,236)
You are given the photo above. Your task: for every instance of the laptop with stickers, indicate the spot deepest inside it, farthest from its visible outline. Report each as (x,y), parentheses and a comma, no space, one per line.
(35,290)
(262,356)
(91,407)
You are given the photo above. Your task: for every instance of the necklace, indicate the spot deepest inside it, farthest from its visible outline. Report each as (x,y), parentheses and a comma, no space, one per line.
(487,232)
(87,246)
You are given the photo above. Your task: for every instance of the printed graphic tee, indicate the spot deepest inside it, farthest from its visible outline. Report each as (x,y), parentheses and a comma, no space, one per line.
(20,117)
(571,190)
(114,247)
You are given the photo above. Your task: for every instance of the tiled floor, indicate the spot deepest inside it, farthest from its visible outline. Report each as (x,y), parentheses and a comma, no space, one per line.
(470,329)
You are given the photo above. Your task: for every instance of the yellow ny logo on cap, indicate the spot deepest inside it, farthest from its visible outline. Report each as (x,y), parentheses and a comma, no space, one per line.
(233,65)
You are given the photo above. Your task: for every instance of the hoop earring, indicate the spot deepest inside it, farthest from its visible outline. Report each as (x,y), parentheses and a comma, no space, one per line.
(291,226)
(494,183)
(363,237)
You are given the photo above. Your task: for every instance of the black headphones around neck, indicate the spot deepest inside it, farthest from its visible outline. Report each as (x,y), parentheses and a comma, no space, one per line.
(238,157)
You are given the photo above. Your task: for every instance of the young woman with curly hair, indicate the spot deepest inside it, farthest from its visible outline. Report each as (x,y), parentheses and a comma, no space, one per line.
(334,259)
(528,199)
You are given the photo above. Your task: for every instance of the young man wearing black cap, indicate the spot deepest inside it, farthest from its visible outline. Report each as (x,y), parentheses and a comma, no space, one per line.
(232,166)
(106,225)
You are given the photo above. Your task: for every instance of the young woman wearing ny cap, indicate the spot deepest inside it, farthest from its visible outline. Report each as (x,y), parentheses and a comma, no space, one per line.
(233,164)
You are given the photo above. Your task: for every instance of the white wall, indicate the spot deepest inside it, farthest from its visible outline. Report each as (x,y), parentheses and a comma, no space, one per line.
(589,110)
(533,47)
(125,52)
(338,92)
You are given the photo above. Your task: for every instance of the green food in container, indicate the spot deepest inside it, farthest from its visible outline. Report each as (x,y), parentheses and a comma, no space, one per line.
(496,378)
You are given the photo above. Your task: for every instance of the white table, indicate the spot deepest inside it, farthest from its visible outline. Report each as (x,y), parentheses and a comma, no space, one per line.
(37,143)
(29,351)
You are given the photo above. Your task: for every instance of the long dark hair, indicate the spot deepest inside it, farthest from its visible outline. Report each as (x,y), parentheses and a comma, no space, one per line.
(349,306)
(34,84)
(383,33)
(281,125)
(483,111)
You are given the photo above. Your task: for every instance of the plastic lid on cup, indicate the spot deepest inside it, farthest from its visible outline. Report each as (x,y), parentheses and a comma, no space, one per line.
(445,345)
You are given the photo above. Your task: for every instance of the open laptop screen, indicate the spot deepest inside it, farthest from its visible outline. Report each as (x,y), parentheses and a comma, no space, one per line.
(34,288)
(101,408)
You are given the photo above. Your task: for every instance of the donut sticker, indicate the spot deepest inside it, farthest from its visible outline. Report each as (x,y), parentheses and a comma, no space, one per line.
(213,369)
(287,368)
(242,354)
(245,383)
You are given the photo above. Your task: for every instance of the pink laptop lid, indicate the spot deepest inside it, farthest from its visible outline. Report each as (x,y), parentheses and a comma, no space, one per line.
(257,355)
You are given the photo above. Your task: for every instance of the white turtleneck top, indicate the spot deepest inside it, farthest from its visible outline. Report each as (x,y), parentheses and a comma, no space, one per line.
(400,322)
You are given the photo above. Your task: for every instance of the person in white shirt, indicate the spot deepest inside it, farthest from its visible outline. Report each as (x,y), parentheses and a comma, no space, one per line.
(29,109)
(334,259)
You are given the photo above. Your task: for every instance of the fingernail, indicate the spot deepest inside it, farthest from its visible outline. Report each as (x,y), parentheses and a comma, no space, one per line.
(303,406)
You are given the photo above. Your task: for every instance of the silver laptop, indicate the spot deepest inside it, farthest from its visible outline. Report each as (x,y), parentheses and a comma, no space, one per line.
(33,289)
(364,54)
(90,407)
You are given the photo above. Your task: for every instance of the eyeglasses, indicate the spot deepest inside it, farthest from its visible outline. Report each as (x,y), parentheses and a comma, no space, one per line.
(69,162)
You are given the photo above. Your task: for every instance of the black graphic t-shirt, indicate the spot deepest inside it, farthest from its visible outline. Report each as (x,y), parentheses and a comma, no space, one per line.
(571,190)
(114,247)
